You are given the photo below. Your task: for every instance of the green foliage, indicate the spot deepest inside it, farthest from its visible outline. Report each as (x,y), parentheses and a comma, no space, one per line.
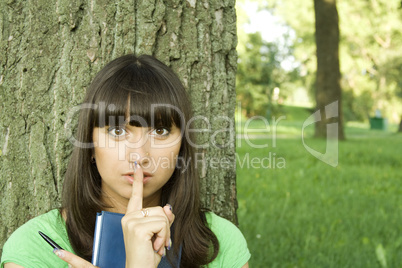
(370,52)
(357,108)
(260,70)
(259,73)
(309,214)
(255,74)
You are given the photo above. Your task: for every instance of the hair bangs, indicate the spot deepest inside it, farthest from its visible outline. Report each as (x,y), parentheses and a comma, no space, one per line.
(111,103)
(140,97)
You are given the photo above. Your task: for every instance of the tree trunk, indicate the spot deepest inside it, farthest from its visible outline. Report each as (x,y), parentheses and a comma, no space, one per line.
(400,126)
(50,53)
(328,89)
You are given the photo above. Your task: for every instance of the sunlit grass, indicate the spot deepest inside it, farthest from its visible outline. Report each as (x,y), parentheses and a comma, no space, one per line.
(305,213)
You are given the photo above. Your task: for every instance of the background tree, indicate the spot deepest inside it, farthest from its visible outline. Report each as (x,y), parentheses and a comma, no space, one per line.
(50,53)
(328,88)
(370,53)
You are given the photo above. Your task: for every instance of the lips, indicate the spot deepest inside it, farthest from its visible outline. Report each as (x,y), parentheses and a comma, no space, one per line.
(146,174)
(130,176)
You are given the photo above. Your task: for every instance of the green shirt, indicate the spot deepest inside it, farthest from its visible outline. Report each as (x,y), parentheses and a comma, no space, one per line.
(26,248)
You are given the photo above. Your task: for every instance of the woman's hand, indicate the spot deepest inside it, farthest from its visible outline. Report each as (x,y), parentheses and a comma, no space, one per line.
(146,231)
(73,260)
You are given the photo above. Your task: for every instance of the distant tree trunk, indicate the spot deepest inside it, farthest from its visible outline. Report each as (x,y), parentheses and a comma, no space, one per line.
(328,89)
(400,126)
(51,51)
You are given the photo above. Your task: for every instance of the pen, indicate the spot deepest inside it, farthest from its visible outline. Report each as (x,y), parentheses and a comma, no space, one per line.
(50,241)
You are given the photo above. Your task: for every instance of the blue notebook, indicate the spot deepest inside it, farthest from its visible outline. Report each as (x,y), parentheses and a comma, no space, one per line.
(108,246)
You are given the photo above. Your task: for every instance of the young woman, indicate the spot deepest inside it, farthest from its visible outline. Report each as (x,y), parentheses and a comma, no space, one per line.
(132,155)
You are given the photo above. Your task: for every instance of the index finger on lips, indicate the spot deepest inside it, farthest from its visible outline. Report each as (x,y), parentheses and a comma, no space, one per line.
(135,202)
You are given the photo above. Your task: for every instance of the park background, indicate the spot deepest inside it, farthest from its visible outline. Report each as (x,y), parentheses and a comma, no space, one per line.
(299,211)
(294,209)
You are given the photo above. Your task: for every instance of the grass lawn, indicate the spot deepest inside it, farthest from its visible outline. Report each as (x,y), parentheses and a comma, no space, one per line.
(296,211)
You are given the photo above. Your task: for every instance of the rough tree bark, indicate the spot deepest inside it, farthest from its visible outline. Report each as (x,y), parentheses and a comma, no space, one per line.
(50,52)
(328,89)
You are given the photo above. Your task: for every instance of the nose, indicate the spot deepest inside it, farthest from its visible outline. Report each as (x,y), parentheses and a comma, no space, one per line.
(138,151)
(141,158)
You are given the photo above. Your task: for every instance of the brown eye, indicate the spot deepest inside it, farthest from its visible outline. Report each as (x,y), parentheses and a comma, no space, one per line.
(160,132)
(117,131)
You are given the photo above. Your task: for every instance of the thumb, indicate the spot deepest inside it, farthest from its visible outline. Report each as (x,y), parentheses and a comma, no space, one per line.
(72,259)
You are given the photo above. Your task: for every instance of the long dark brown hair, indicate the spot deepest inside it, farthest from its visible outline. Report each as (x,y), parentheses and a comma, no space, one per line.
(156,95)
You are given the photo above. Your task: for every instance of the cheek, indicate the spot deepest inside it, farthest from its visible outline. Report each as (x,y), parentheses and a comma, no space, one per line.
(174,157)
(105,157)
(165,159)
(101,161)
(100,154)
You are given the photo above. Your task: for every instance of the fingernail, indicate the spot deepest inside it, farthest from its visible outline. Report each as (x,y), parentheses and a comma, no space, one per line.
(164,252)
(59,253)
(170,206)
(170,244)
(135,166)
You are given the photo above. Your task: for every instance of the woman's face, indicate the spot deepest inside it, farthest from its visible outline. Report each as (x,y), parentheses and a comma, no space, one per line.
(116,149)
